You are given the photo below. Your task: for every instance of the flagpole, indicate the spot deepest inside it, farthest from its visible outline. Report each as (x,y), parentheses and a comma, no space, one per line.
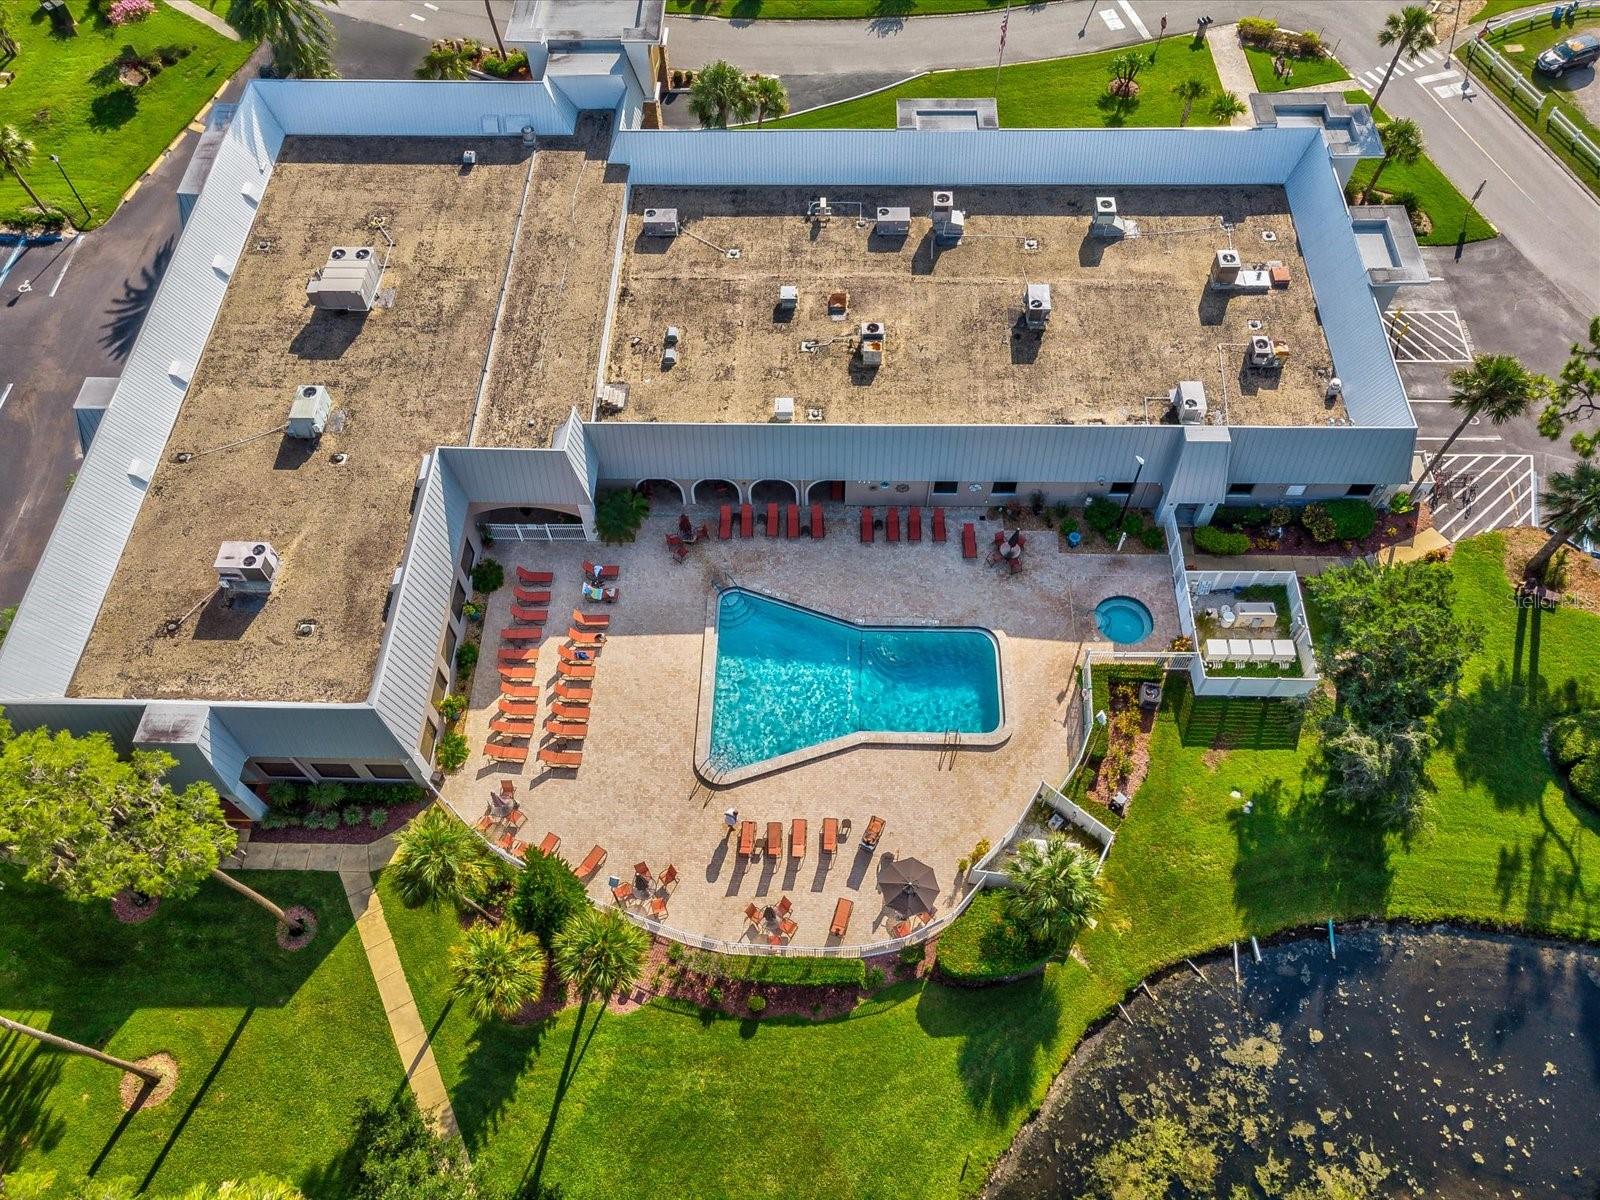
(999,62)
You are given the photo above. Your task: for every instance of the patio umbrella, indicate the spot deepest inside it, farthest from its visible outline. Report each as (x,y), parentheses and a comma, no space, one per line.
(912,883)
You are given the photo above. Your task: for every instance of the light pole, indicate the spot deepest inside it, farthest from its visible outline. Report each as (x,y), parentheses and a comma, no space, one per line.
(56,158)
(1128,499)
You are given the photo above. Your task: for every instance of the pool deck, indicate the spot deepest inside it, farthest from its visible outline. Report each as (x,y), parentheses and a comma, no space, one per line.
(637,793)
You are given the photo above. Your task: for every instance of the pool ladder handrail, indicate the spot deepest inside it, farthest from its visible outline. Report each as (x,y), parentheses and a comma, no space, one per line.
(948,749)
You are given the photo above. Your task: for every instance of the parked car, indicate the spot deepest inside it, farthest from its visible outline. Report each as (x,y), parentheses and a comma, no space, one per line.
(1569,53)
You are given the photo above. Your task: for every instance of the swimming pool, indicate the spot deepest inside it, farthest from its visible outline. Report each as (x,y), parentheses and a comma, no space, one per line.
(789,679)
(1123,620)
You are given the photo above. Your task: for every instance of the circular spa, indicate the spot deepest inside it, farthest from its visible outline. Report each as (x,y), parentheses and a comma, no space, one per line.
(793,684)
(1123,620)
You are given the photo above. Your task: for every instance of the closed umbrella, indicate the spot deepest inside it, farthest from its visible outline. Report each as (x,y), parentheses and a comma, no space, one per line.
(912,884)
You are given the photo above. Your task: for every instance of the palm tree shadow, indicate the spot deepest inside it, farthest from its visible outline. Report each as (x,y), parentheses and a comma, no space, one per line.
(533,1174)
(127,311)
(29,1072)
(198,1098)
(999,1060)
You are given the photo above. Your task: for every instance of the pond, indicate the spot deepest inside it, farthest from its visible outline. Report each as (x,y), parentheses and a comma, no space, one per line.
(1418,1063)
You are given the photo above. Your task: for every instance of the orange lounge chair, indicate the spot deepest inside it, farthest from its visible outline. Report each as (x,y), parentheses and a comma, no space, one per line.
(969,541)
(570,712)
(591,862)
(585,620)
(752,914)
(509,708)
(521,633)
(866,525)
(572,731)
(819,527)
(747,520)
(569,655)
(514,846)
(891,525)
(913,525)
(792,521)
(830,834)
(516,656)
(869,839)
(939,533)
(550,844)
(584,637)
(725,522)
(609,571)
(517,674)
(772,518)
(519,691)
(534,577)
(797,838)
(529,616)
(840,924)
(506,727)
(569,760)
(582,672)
(501,752)
(774,839)
(529,595)
(747,840)
(579,695)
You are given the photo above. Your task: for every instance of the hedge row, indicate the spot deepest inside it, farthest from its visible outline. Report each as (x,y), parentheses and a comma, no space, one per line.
(1575,747)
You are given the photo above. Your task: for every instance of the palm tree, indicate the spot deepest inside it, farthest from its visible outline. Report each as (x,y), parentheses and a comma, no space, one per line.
(16,155)
(1496,386)
(437,858)
(497,971)
(444,60)
(1225,108)
(1410,32)
(1055,888)
(300,35)
(721,93)
(1402,141)
(71,1047)
(769,97)
(1189,90)
(599,952)
(295,925)
(1572,509)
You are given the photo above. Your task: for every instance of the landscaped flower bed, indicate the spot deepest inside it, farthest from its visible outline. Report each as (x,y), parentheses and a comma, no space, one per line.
(1346,528)
(337,813)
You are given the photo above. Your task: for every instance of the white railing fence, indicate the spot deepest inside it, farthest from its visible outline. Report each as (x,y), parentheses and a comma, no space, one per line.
(1180,582)
(536,533)
(1485,57)
(1577,141)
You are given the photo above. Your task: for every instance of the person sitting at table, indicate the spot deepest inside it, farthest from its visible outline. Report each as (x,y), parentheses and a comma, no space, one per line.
(685,526)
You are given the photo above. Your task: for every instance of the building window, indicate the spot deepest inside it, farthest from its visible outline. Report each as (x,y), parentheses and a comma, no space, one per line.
(441,685)
(1360,489)
(458,600)
(1122,488)
(1006,487)
(468,559)
(388,771)
(335,770)
(430,735)
(1241,489)
(449,644)
(278,768)
(946,487)
(1295,489)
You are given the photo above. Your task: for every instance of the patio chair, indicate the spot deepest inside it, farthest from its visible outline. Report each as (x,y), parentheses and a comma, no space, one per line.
(866,525)
(591,862)
(529,616)
(969,541)
(516,656)
(752,914)
(524,595)
(505,727)
(517,674)
(772,518)
(521,633)
(641,870)
(774,940)
(510,708)
(501,752)
(534,577)
(830,835)
(783,906)
(891,525)
(657,907)
(747,520)
(797,838)
(578,695)
(486,822)
(585,620)
(872,834)
(550,844)
(567,760)
(519,691)
(508,789)
(623,893)
(725,522)
(585,637)
(610,571)
(903,929)
(792,520)
(939,531)
(669,877)
(582,672)
(787,928)
(840,924)
(567,731)
(514,846)
(913,524)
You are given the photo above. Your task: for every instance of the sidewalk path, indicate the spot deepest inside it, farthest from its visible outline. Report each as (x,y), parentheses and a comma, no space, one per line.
(206,17)
(1233,68)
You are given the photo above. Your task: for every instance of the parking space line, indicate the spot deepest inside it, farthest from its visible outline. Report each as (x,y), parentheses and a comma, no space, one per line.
(1134,17)
(1113,22)
(72,250)
(4,394)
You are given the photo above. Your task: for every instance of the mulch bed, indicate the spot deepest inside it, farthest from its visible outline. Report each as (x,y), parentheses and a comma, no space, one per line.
(298,941)
(1104,787)
(1582,586)
(129,912)
(344,835)
(137,1091)
(1391,530)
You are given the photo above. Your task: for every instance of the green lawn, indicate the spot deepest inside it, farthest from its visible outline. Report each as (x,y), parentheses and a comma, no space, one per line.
(1308,72)
(1495,8)
(274,1049)
(66,102)
(983,944)
(919,1090)
(823,10)
(1058,93)
(1453,215)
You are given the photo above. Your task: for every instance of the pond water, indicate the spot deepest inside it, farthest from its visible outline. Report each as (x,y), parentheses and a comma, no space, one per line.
(1417,1063)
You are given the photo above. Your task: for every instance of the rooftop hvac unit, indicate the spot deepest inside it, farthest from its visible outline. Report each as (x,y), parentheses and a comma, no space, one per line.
(308,416)
(669,358)
(1036,305)
(870,349)
(894,221)
(469,158)
(788,296)
(660,222)
(672,337)
(783,408)
(247,568)
(1267,353)
(948,229)
(1106,222)
(1189,399)
(1225,269)
(348,281)
(943,202)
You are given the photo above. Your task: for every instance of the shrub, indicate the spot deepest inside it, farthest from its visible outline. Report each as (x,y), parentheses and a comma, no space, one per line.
(910,956)
(1103,516)
(272,820)
(619,514)
(1319,522)
(874,978)
(354,815)
(377,817)
(451,752)
(757,1003)
(284,795)
(451,707)
(1307,44)
(503,68)
(675,950)
(466,656)
(1069,526)
(1153,538)
(325,796)
(547,893)
(1280,515)
(1352,519)
(488,576)
(714,995)
(1208,539)
(1401,503)
(1256,29)
(129,12)
(1133,524)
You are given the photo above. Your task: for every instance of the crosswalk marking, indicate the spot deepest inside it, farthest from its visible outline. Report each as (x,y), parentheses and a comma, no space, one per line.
(1132,16)
(1446,90)
(1113,22)
(1438,76)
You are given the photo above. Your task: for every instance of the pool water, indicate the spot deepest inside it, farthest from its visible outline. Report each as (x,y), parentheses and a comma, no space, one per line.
(788,678)
(1123,620)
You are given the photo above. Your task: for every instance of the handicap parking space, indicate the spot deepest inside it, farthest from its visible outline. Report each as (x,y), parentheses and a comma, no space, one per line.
(34,269)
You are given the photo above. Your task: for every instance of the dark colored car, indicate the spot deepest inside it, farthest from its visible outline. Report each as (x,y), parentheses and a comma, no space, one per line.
(1568,54)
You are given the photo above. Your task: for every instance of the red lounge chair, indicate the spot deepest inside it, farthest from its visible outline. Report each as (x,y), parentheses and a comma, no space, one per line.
(519,691)
(530,595)
(819,527)
(668,878)
(569,655)
(914,525)
(830,834)
(747,520)
(797,838)
(610,571)
(772,518)
(866,525)
(517,674)
(591,862)
(657,907)
(569,712)
(550,844)
(534,577)
(572,731)
(569,760)
(585,620)
(891,525)
(841,918)
(578,695)
(774,843)
(510,708)
(938,525)
(529,616)
(641,870)
(525,633)
(506,727)
(725,523)
(747,840)
(869,839)
(584,637)
(501,752)
(582,671)
(969,541)
(518,656)
(792,520)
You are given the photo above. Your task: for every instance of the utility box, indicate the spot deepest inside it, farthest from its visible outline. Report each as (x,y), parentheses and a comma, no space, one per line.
(1106,223)
(783,409)
(308,415)
(894,221)
(1036,306)
(1225,269)
(348,281)
(788,297)
(247,568)
(661,222)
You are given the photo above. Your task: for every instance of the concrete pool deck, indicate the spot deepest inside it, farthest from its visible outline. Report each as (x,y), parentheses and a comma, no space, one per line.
(637,793)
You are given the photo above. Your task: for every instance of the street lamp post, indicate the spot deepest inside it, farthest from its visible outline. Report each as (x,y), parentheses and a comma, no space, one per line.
(1128,499)
(87,215)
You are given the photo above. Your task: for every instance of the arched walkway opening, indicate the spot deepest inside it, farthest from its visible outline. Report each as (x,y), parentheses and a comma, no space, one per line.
(765,491)
(660,491)
(715,491)
(825,491)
